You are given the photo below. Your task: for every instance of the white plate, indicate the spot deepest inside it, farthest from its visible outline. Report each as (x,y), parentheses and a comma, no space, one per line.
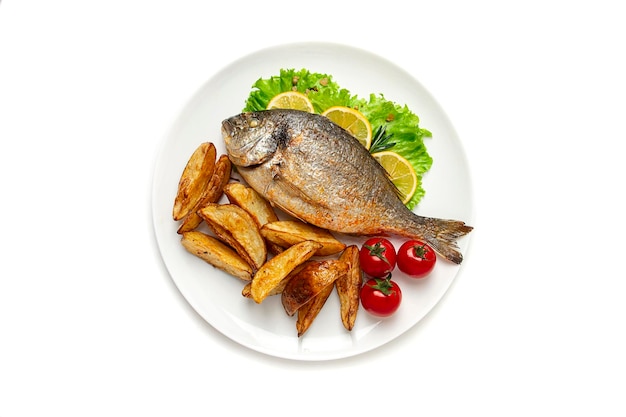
(217,297)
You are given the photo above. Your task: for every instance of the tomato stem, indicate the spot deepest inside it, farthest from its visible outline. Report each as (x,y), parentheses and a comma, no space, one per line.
(420,251)
(378,251)
(383,285)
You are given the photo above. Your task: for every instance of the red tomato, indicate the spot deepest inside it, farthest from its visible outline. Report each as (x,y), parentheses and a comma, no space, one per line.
(416,258)
(381,296)
(377,257)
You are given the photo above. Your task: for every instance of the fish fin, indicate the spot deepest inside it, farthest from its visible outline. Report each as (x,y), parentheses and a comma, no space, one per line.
(292,189)
(444,236)
(440,234)
(291,213)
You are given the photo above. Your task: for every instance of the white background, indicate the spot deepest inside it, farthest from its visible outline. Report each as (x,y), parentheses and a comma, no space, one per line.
(90,321)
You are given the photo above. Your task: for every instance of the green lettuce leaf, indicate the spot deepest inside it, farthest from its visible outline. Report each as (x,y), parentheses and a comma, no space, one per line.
(320,88)
(399,121)
(407,136)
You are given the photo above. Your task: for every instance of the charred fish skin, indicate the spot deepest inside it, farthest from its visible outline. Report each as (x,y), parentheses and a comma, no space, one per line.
(316,171)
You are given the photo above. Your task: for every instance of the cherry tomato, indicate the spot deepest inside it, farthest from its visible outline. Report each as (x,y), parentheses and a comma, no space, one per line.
(377,257)
(416,258)
(381,296)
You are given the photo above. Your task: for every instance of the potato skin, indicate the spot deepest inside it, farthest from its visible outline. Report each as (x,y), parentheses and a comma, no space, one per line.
(193,180)
(285,233)
(349,287)
(270,275)
(251,201)
(212,193)
(309,311)
(217,254)
(258,207)
(235,226)
(310,281)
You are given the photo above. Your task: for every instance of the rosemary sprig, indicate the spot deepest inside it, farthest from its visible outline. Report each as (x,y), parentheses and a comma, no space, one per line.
(381,142)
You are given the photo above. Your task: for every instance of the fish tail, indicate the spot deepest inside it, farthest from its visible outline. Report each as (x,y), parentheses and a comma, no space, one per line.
(440,234)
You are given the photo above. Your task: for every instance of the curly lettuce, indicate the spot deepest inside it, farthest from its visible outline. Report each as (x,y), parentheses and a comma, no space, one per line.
(402,133)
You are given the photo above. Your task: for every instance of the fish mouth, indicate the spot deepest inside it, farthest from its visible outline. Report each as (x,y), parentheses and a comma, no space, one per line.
(239,152)
(227,130)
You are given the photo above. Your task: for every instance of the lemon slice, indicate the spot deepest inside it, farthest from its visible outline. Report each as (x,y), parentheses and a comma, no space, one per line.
(353,121)
(400,171)
(294,100)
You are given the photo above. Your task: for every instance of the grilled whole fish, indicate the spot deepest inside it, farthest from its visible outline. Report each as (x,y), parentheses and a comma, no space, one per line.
(319,173)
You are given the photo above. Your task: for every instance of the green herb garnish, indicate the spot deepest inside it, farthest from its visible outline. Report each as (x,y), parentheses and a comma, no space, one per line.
(380,141)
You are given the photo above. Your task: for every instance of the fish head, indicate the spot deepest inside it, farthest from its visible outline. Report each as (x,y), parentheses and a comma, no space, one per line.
(250,138)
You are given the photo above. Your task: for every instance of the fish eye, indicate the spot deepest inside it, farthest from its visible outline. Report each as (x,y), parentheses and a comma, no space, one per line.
(254,122)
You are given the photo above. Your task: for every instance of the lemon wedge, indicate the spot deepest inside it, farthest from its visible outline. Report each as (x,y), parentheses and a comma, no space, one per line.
(400,172)
(353,121)
(294,100)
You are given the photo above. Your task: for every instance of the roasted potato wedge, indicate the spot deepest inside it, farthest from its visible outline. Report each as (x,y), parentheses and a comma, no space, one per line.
(270,275)
(310,281)
(257,206)
(233,225)
(309,311)
(348,287)
(285,233)
(212,193)
(190,222)
(195,176)
(251,201)
(247,289)
(217,254)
